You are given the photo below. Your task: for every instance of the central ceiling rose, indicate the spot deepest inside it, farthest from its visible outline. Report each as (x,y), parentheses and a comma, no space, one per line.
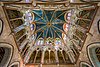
(49,23)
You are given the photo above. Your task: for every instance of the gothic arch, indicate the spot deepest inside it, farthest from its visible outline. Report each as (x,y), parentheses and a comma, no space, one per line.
(82,64)
(98,25)
(1,26)
(7,55)
(15,64)
(92,54)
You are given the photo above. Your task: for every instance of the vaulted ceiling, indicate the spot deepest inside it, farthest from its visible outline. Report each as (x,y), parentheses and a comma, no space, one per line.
(51,33)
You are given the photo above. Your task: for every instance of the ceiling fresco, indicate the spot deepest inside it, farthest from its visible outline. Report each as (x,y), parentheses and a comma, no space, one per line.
(49,23)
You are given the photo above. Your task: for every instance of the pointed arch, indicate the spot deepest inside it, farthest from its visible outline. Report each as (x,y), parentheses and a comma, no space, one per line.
(83,64)
(98,25)
(7,55)
(1,26)
(15,64)
(91,50)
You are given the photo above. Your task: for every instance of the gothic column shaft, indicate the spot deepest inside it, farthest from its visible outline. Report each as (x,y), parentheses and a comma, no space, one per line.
(42,58)
(56,57)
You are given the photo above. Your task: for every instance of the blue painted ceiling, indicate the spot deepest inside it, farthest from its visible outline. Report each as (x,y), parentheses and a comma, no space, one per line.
(49,23)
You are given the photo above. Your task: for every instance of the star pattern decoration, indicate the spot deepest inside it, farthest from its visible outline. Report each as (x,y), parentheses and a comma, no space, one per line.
(49,23)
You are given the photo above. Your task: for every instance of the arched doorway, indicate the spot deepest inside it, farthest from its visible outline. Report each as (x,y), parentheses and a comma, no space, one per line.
(6,50)
(93,53)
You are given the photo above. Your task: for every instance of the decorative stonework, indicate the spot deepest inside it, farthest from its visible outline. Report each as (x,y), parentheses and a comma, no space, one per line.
(92,54)
(1,26)
(8,54)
